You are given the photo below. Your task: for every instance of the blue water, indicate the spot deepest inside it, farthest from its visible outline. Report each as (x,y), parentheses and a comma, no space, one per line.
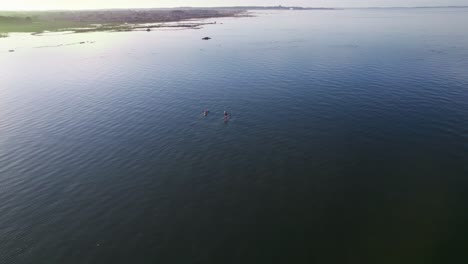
(347,143)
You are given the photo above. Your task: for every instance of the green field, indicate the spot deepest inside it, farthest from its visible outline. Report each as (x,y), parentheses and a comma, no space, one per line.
(36,27)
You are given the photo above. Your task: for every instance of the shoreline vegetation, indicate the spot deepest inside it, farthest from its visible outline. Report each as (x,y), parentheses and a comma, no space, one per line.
(80,21)
(37,22)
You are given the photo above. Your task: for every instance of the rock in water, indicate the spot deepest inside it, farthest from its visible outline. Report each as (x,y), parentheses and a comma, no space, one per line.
(206,38)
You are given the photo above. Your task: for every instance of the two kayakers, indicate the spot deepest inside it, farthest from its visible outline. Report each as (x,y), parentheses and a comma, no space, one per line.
(226,114)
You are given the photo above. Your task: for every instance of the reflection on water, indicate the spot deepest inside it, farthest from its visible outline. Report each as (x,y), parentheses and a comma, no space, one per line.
(347,141)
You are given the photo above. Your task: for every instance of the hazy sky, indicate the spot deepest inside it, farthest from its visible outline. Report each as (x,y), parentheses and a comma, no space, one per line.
(90,4)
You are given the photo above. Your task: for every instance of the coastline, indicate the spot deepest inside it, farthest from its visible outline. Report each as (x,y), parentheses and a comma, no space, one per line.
(38,22)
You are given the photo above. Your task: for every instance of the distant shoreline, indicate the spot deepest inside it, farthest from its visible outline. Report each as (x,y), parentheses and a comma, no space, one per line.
(80,21)
(224,8)
(37,22)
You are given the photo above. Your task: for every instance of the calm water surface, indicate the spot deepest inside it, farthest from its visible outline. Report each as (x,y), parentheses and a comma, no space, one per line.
(348,142)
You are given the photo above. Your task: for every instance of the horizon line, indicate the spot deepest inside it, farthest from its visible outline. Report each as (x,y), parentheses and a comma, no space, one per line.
(221,7)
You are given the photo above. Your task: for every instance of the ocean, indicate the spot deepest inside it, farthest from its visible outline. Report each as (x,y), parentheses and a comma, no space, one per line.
(347,141)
